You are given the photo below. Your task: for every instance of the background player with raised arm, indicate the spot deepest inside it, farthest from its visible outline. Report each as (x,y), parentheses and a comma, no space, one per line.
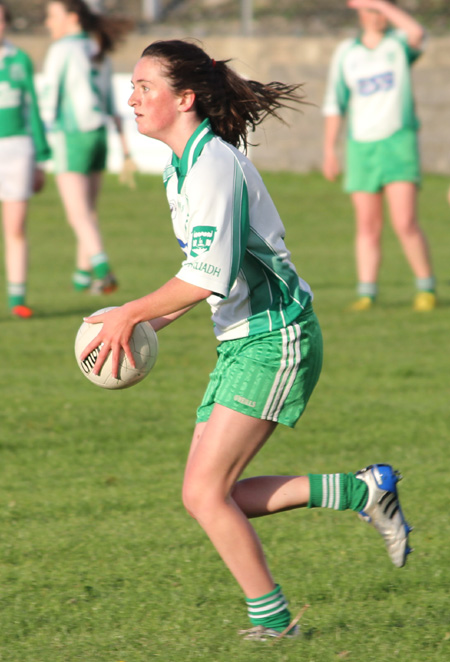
(77,99)
(270,344)
(23,147)
(370,83)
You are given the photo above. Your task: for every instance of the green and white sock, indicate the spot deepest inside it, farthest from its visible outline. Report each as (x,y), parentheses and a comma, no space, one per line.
(337,491)
(367,290)
(426,284)
(16,294)
(100,265)
(81,279)
(270,610)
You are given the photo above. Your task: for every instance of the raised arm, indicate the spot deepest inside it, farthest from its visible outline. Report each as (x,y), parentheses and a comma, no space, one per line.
(396,16)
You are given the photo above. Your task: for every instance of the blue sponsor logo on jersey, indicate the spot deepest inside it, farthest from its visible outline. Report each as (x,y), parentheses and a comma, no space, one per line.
(379,83)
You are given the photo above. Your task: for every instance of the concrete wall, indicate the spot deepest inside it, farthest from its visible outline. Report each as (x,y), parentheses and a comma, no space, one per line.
(298,59)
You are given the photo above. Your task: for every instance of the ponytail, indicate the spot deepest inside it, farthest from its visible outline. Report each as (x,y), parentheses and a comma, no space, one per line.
(6,13)
(233,104)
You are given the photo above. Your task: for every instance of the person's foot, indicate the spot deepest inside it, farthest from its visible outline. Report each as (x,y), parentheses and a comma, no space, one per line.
(21,311)
(104,285)
(363,303)
(81,281)
(425,301)
(260,633)
(383,510)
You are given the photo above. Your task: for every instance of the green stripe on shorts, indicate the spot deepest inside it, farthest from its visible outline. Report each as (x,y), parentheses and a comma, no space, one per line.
(268,376)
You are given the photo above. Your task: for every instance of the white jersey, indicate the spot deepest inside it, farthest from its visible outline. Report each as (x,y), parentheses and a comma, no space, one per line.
(77,90)
(233,238)
(373,86)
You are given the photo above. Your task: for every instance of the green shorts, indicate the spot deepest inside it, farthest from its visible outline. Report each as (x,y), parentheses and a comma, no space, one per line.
(372,165)
(268,376)
(79,151)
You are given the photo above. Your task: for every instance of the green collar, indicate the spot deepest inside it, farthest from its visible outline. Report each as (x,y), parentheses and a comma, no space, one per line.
(75,35)
(360,34)
(192,151)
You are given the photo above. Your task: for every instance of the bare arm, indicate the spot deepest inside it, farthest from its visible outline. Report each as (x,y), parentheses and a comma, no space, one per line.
(331,167)
(119,126)
(162,306)
(159,323)
(398,17)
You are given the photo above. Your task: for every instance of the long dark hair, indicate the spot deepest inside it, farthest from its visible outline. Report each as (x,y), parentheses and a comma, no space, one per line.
(108,30)
(233,104)
(6,13)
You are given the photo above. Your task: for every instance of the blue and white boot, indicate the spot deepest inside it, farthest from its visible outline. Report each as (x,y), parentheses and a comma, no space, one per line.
(383,510)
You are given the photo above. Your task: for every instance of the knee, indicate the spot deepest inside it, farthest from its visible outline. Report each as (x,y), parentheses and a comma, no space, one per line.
(191,497)
(407,228)
(198,499)
(16,234)
(369,230)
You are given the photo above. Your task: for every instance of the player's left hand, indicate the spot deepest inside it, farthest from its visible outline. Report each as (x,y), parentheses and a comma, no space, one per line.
(113,336)
(331,167)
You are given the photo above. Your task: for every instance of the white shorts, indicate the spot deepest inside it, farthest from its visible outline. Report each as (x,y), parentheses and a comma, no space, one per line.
(16,168)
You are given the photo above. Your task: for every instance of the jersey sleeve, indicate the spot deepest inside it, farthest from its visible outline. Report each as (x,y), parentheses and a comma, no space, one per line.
(218,225)
(36,126)
(412,54)
(337,92)
(52,75)
(110,103)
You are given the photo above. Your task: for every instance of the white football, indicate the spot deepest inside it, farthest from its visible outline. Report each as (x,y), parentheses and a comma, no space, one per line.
(143,345)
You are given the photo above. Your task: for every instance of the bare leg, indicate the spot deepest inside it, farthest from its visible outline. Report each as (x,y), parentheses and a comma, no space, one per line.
(401,197)
(16,245)
(94,186)
(77,195)
(369,223)
(265,495)
(220,451)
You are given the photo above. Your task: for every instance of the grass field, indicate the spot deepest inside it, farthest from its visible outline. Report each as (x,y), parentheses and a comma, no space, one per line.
(98,560)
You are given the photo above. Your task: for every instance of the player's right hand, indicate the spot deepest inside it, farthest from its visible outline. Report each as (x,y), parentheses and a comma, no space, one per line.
(113,336)
(331,167)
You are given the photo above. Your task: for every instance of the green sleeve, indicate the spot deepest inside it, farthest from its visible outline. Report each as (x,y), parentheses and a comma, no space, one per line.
(36,125)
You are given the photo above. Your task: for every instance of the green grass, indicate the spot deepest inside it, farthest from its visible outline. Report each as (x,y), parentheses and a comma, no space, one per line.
(98,560)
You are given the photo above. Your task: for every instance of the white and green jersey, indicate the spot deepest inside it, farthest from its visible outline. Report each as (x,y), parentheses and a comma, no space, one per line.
(19,111)
(233,238)
(77,90)
(373,87)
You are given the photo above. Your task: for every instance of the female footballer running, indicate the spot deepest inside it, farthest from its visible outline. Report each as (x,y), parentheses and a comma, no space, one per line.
(270,344)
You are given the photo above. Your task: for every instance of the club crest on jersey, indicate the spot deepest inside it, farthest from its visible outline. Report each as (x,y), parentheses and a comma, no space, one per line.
(202,239)
(17,72)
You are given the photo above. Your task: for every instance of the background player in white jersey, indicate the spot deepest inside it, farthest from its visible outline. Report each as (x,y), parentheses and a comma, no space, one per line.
(22,147)
(370,82)
(77,99)
(270,351)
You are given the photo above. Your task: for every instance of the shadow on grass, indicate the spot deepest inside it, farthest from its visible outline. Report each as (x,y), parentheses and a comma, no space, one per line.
(53,314)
